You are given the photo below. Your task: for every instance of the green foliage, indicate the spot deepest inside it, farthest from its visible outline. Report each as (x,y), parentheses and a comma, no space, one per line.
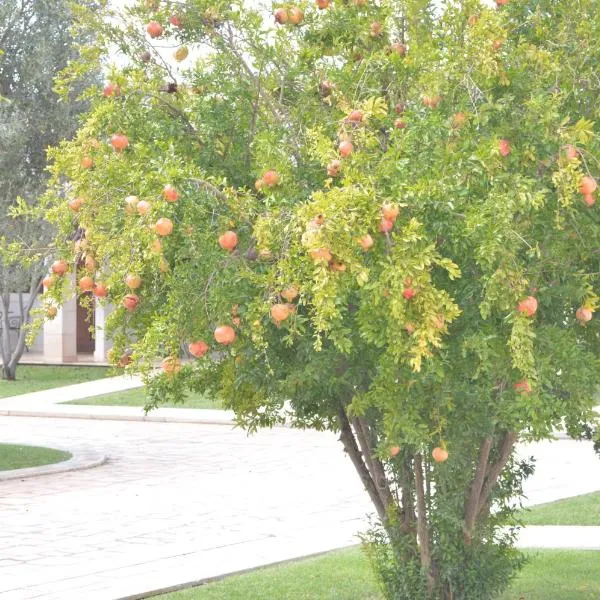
(36,43)
(478,129)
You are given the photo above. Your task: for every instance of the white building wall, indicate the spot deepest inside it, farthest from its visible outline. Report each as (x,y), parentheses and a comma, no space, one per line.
(38,345)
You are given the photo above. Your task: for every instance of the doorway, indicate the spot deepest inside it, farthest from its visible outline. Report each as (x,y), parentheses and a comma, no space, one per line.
(85,319)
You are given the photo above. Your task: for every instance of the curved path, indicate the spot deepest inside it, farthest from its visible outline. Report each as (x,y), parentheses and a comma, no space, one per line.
(177,503)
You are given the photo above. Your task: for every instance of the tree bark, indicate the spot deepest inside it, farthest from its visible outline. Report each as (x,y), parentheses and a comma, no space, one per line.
(351,447)
(375,466)
(495,469)
(422,527)
(474,498)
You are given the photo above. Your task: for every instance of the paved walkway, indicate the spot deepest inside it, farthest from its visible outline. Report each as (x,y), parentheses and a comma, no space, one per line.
(48,403)
(177,503)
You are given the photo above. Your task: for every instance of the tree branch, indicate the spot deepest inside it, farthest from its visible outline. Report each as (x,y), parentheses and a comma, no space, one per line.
(494,471)
(374,465)
(347,438)
(209,187)
(474,499)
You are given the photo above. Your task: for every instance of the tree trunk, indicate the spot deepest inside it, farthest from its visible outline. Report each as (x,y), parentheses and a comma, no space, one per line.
(422,526)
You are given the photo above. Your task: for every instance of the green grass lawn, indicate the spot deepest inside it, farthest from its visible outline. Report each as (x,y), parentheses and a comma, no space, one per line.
(345,575)
(580,510)
(137,397)
(32,378)
(21,457)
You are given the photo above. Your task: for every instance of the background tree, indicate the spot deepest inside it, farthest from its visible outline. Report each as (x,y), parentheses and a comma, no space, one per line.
(377,219)
(35,45)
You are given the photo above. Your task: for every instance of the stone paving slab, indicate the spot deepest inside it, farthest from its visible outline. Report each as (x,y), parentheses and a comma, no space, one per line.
(178,503)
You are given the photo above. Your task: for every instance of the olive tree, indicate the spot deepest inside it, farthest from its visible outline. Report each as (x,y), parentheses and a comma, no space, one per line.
(35,45)
(373,218)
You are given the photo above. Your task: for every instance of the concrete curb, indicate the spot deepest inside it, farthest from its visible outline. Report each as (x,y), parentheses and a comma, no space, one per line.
(194,419)
(206,580)
(82,458)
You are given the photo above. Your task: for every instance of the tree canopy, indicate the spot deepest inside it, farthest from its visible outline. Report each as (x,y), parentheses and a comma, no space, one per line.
(375,218)
(36,43)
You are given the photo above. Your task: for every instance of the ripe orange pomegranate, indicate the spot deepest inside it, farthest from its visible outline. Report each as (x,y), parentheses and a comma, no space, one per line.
(163,226)
(502,2)
(170,194)
(400,108)
(355,116)
(271,178)
(522,387)
(143,207)
(198,349)
(175,21)
(228,241)
(394,451)
(583,315)
(334,168)
(133,281)
(409,293)
(100,290)
(504,147)
(156,246)
(225,334)
(111,89)
(130,302)
(323,4)
(375,29)
(390,211)
(366,242)
(154,29)
(258,184)
(339,267)
(439,454)
(281,16)
(290,293)
(571,152)
(386,225)
(431,101)
(119,142)
(346,148)
(459,119)
(398,48)
(280,312)
(528,306)
(86,283)
(295,15)
(48,282)
(75,204)
(171,365)
(400,124)
(320,254)
(59,267)
(87,162)
(587,185)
